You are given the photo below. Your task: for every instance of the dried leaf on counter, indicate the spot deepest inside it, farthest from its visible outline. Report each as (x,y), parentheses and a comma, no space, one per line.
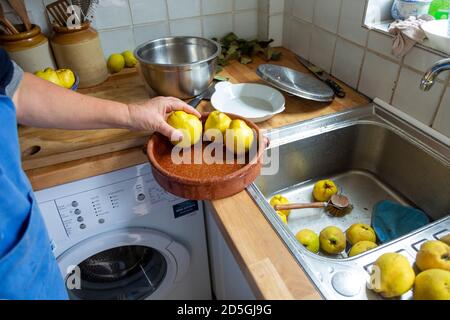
(221,78)
(246,60)
(243,50)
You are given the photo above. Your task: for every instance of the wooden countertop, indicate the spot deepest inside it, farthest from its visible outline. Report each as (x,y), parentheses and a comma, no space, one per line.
(271,270)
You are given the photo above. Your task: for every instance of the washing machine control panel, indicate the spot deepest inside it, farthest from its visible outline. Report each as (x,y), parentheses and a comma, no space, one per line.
(111,204)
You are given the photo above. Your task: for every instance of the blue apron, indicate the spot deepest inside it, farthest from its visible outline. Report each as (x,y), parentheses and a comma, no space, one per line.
(28,269)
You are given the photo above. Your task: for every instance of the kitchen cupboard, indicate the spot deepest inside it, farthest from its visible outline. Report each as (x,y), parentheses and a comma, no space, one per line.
(228,281)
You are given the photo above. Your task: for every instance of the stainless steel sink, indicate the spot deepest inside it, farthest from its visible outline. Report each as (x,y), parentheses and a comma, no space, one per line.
(372,155)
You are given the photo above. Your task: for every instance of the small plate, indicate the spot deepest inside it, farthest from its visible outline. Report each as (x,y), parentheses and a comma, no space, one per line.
(254,102)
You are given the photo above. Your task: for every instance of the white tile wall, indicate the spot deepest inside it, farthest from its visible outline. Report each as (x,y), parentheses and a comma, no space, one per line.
(420,60)
(217,6)
(380,43)
(245,4)
(347,62)
(350,24)
(246,24)
(276,6)
(148,11)
(326,14)
(409,98)
(183,9)
(300,37)
(150,31)
(303,9)
(186,27)
(378,77)
(275,20)
(220,25)
(113,14)
(117,40)
(322,48)
(330,33)
(276,29)
(442,122)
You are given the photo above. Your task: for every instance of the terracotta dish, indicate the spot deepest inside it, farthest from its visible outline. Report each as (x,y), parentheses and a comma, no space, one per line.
(203,181)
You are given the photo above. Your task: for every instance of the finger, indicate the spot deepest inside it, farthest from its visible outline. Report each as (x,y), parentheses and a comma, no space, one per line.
(171,133)
(179,105)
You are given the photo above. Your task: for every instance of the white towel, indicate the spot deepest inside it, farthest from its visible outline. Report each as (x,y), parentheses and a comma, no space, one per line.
(407,33)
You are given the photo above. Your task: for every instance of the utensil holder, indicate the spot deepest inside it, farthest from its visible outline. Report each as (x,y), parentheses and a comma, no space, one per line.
(29,49)
(80,50)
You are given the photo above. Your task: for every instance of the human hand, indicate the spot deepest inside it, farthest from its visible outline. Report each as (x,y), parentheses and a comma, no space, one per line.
(152,116)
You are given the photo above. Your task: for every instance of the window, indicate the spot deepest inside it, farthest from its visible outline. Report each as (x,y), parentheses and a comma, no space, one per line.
(378,17)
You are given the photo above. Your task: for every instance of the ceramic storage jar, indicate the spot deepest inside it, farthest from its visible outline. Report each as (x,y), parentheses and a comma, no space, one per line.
(29,49)
(80,50)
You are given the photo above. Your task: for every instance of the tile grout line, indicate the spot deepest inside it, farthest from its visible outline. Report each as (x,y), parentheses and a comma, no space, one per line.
(202,29)
(333,55)
(441,100)
(168,19)
(132,23)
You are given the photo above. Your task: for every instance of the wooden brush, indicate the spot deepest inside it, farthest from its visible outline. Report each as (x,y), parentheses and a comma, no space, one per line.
(338,206)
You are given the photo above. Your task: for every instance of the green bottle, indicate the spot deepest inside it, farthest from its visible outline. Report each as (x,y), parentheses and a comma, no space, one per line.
(440,9)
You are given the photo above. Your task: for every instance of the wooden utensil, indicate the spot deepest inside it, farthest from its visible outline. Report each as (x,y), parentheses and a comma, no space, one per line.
(5,30)
(58,11)
(6,22)
(20,9)
(85,6)
(338,205)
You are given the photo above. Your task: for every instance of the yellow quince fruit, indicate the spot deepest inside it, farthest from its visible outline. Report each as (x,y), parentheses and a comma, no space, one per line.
(360,232)
(433,254)
(324,190)
(50,75)
(392,275)
(67,77)
(189,125)
(332,240)
(361,247)
(432,284)
(116,63)
(279,199)
(239,137)
(282,217)
(309,239)
(130,59)
(217,121)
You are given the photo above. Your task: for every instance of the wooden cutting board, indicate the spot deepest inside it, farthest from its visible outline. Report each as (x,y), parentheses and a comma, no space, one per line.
(44,147)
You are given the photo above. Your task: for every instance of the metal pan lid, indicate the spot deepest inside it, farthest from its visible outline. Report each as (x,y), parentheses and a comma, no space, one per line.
(299,84)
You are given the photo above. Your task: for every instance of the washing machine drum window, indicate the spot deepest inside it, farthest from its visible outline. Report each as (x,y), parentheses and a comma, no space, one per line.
(129,272)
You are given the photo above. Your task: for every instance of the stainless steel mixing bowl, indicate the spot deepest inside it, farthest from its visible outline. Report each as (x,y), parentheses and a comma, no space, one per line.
(182,67)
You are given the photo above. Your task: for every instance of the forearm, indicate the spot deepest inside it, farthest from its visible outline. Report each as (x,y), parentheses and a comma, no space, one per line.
(45,105)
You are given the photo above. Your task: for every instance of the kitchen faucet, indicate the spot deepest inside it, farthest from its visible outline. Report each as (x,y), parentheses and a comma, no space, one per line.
(429,77)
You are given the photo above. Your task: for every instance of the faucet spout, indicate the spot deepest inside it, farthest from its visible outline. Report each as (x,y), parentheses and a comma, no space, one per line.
(430,76)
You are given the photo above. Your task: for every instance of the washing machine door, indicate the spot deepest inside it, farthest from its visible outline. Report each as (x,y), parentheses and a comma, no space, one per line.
(128,264)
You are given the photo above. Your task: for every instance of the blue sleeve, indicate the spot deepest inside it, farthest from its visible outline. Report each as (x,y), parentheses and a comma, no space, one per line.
(6,70)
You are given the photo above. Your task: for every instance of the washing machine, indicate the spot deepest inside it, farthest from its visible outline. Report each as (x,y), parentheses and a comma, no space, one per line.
(120,236)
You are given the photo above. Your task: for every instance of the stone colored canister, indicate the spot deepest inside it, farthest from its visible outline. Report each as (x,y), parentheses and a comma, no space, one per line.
(80,50)
(29,49)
